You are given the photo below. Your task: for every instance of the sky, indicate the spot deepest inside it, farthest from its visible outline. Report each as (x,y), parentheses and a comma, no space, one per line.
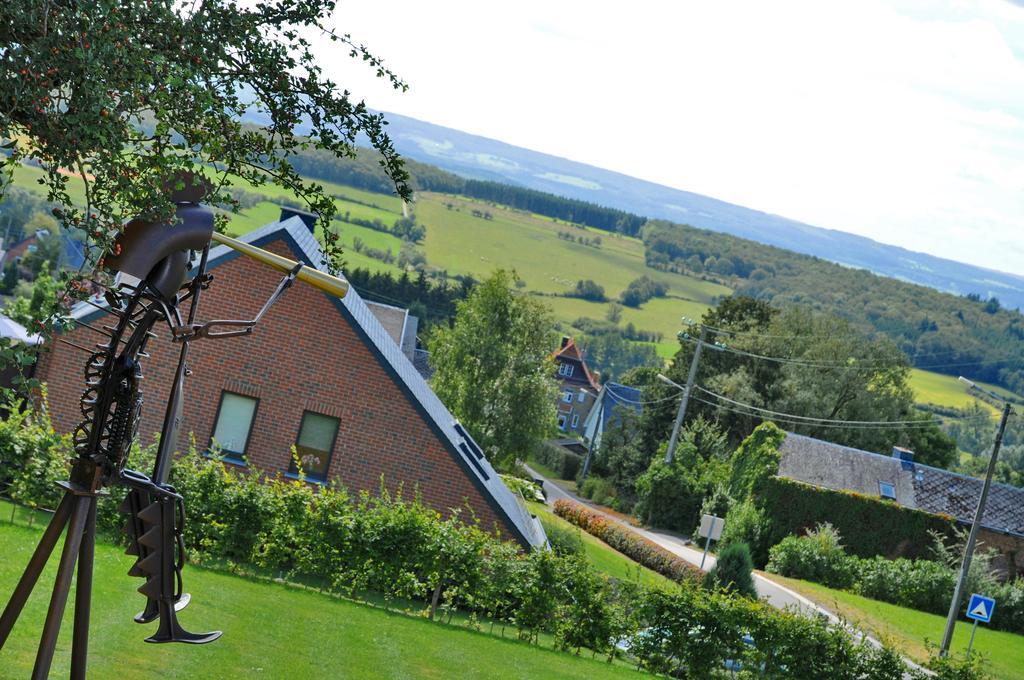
(902,121)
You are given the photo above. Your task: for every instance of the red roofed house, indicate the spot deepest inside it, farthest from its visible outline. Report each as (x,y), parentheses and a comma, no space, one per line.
(321,373)
(579,387)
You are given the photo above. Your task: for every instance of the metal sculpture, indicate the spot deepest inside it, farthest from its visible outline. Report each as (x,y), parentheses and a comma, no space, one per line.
(152,263)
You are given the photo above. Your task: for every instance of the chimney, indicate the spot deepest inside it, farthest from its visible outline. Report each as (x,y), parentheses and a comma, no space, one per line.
(565,341)
(308,218)
(904,456)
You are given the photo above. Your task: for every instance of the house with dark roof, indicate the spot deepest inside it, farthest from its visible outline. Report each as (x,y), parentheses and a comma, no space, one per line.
(607,410)
(899,479)
(321,374)
(578,387)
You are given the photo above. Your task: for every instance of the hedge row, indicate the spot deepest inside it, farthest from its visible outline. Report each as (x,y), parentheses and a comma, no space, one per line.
(924,585)
(869,526)
(558,459)
(627,542)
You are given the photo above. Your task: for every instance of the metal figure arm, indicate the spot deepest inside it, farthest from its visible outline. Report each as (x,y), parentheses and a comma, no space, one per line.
(193,331)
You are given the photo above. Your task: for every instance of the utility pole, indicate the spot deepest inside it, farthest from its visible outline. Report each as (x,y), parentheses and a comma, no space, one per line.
(958,592)
(670,454)
(590,448)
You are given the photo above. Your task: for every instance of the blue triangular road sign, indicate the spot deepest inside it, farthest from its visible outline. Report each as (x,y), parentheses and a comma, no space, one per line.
(980,608)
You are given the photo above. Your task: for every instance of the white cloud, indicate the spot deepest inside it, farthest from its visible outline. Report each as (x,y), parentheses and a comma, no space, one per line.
(901,120)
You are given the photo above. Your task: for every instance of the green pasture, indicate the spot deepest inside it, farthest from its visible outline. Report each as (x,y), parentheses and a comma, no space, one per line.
(912,631)
(271,630)
(948,391)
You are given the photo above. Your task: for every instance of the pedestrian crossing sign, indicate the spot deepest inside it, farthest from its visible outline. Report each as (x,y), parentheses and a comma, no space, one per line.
(980,608)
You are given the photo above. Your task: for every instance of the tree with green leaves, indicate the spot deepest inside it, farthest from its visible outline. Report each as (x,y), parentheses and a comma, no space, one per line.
(494,371)
(113,99)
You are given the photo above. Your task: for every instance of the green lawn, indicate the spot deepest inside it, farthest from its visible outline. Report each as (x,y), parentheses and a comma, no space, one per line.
(947,390)
(270,630)
(603,557)
(909,629)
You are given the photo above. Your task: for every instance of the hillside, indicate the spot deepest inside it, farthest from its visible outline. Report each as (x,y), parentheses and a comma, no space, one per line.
(488,159)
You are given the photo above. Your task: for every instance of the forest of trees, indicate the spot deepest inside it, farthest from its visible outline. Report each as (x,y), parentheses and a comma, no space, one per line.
(938,331)
(433,303)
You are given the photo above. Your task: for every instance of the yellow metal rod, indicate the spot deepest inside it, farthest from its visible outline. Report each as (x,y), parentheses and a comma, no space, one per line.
(331,285)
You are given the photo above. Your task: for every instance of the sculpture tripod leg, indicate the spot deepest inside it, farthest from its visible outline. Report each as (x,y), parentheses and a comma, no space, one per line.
(77,511)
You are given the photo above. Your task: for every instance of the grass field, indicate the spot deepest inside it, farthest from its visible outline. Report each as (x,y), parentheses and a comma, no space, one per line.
(910,630)
(603,557)
(461,243)
(270,630)
(947,390)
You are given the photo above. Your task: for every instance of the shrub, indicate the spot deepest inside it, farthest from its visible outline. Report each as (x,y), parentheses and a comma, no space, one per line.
(33,457)
(755,461)
(649,554)
(918,584)
(558,459)
(641,290)
(669,495)
(733,571)
(818,557)
(745,523)
(588,290)
(599,490)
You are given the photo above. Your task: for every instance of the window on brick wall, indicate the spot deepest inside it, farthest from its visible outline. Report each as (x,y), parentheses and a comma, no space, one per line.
(567,396)
(315,443)
(234,424)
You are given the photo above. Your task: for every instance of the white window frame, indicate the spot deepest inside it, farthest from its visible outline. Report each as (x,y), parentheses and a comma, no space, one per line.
(575,420)
(567,396)
(566,370)
(583,395)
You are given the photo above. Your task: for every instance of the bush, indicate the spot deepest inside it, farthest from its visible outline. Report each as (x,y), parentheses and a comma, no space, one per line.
(588,290)
(669,495)
(599,490)
(745,523)
(641,290)
(733,571)
(649,554)
(755,461)
(33,457)
(918,584)
(558,459)
(818,557)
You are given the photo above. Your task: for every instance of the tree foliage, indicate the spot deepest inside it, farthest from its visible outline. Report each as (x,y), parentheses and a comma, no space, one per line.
(126,95)
(494,370)
(828,371)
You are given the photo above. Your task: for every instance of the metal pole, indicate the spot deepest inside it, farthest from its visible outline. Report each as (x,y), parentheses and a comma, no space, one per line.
(83,593)
(974,629)
(958,592)
(597,428)
(670,454)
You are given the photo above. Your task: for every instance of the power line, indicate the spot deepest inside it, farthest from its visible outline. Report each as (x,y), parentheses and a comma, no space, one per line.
(856,365)
(796,336)
(811,424)
(829,422)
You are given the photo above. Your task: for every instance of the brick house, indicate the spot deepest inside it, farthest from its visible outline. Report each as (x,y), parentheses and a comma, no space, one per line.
(899,479)
(320,373)
(578,387)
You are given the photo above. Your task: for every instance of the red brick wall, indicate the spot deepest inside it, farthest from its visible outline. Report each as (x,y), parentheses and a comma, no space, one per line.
(304,355)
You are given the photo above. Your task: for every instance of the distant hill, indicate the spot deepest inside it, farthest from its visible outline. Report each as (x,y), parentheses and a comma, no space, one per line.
(482,158)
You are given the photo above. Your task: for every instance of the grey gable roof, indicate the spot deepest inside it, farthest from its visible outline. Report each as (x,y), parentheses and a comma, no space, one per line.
(919,486)
(460,445)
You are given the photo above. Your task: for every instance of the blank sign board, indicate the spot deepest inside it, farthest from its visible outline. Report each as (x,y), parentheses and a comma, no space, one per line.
(711,527)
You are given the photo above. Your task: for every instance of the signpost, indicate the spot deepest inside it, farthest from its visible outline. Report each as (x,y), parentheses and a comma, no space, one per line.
(710,530)
(980,608)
